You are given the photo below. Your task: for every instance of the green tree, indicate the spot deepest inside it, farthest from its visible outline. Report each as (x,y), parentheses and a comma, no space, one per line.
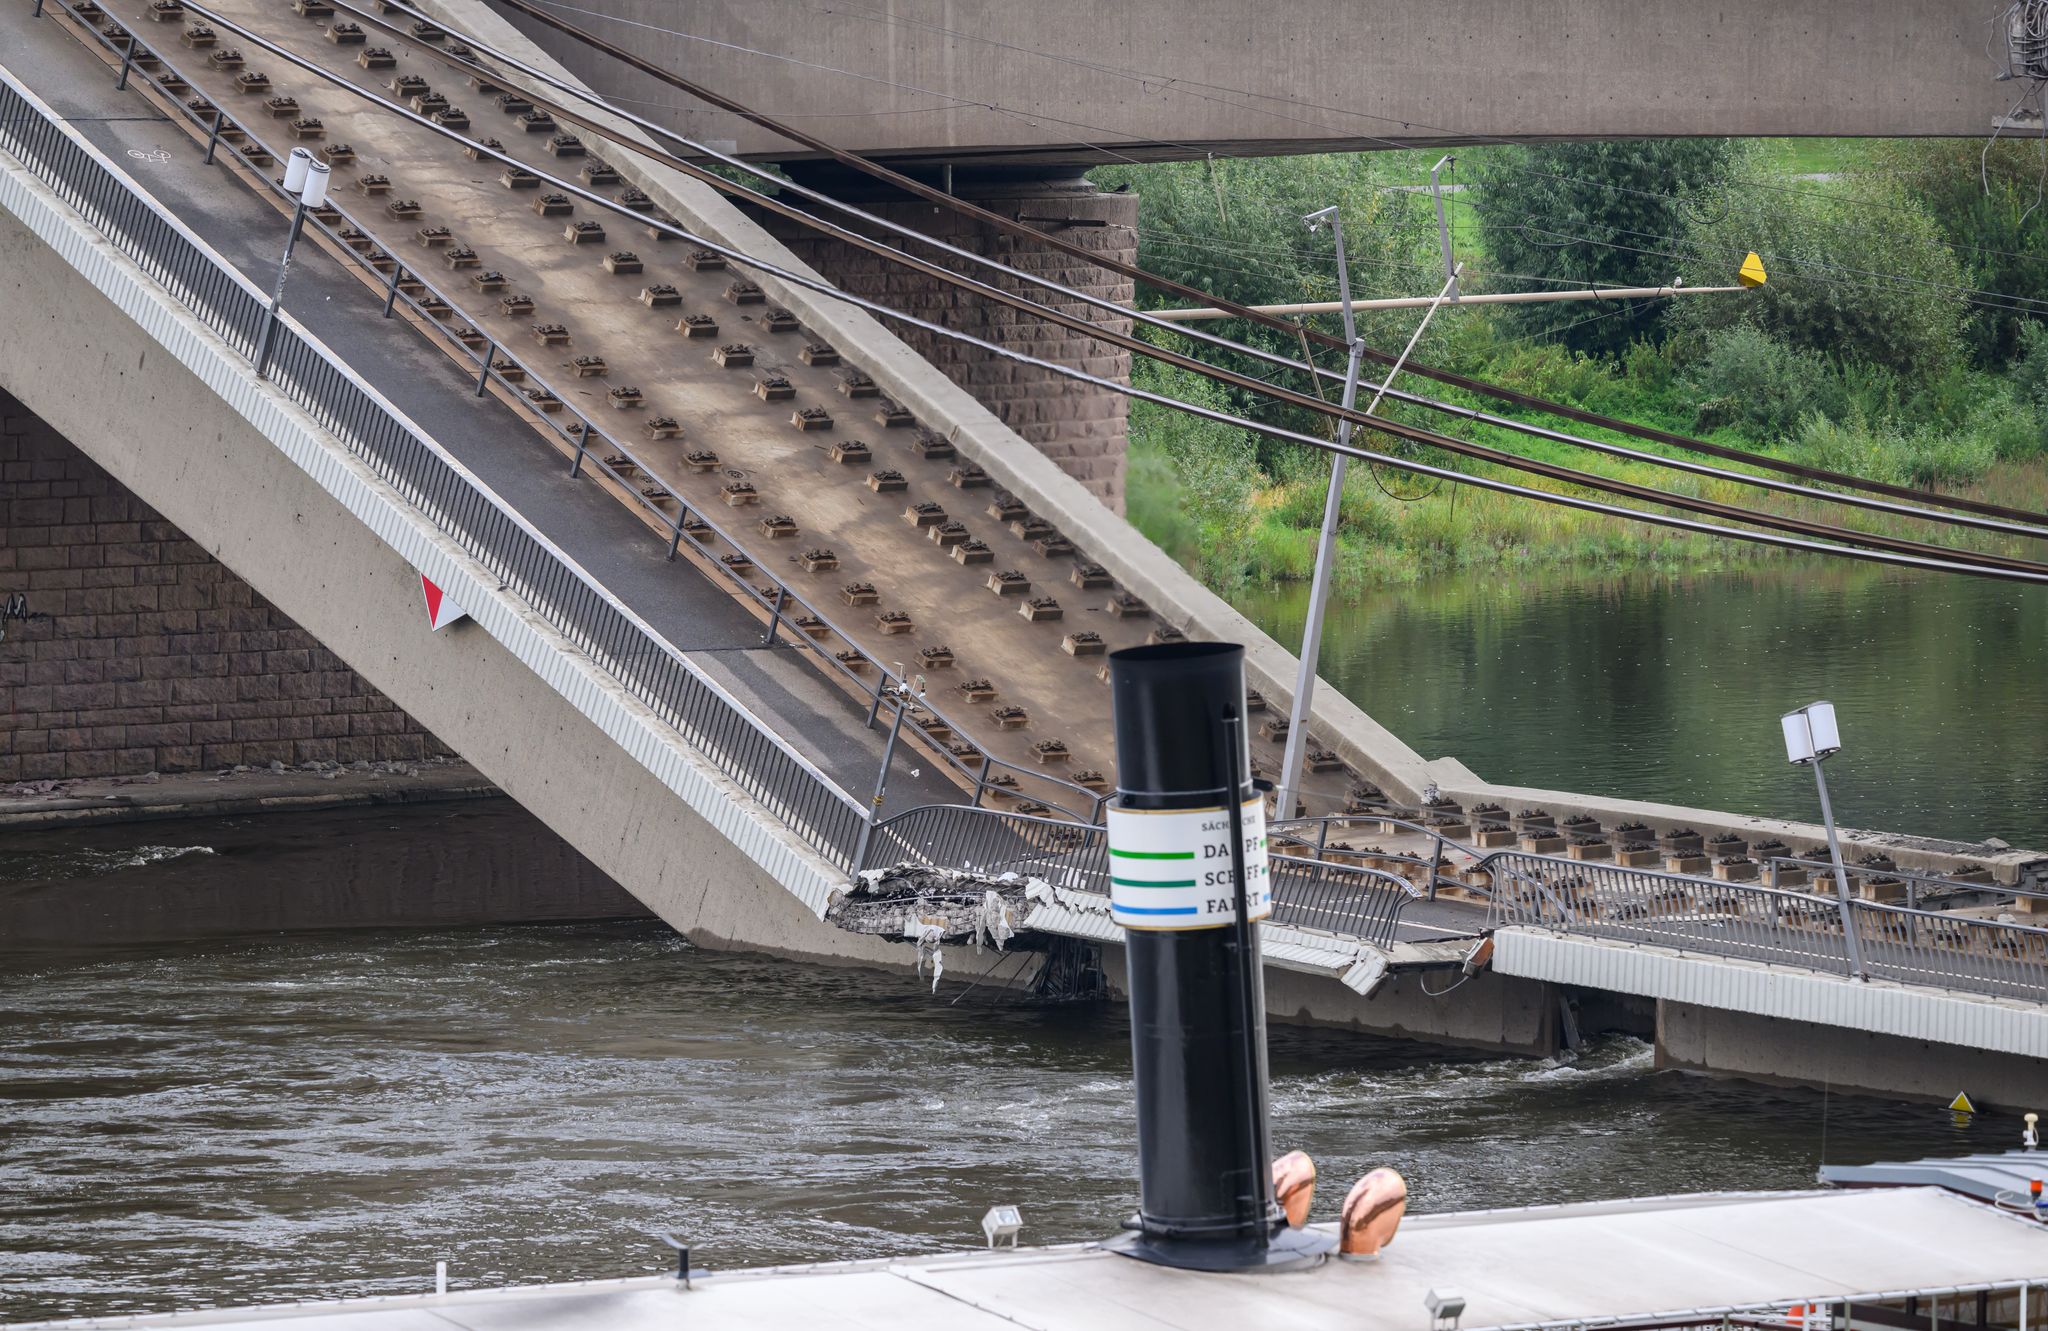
(1215,464)
(1591,214)
(1234,227)
(1989,208)
(1842,283)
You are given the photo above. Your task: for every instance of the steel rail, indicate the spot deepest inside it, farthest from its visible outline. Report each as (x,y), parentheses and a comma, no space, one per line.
(1136,346)
(1015,228)
(586,442)
(1873,548)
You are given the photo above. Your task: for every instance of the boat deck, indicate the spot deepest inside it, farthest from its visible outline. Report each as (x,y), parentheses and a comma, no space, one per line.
(1652,1260)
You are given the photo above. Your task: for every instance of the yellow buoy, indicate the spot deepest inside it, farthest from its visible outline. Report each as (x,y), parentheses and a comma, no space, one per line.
(1752,273)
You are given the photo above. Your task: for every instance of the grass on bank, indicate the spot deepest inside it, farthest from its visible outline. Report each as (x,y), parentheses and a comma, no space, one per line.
(1200,494)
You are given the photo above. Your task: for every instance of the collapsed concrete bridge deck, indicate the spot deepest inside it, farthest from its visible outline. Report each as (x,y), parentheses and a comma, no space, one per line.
(309,510)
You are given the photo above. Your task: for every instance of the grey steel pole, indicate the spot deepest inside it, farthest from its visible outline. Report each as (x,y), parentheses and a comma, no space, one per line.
(1443,228)
(284,267)
(1857,969)
(1326,543)
(867,828)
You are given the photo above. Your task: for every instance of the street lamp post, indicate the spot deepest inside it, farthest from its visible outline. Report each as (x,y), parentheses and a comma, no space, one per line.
(1326,543)
(305,179)
(1333,503)
(1811,738)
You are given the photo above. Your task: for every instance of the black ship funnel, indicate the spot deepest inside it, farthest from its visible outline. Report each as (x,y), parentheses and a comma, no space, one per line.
(1186,833)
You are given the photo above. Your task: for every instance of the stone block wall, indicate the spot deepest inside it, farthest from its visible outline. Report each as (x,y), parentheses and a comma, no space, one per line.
(141,652)
(1081,427)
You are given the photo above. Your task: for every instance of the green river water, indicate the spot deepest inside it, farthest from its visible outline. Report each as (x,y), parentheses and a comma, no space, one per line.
(1670,687)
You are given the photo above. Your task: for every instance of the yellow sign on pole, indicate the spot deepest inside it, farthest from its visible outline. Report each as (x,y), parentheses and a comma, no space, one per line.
(1961,1104)
(1752,273)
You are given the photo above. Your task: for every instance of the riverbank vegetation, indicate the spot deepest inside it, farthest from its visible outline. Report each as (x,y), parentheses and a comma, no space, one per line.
(1900,338)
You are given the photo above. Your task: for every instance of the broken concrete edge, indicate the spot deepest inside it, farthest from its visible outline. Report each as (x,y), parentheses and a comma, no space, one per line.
(1372,750)
(931,907)
(405,530)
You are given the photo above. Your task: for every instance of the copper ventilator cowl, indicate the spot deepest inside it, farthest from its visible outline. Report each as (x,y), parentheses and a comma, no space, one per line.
(1294,1186)
(1372,1212)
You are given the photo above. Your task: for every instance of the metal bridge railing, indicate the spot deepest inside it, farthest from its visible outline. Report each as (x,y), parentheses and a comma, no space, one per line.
(1310,839)
(1364,904)
(793,619)
(1342,899)
(1913,886)
(1764,924)
(653,671)
(993,843)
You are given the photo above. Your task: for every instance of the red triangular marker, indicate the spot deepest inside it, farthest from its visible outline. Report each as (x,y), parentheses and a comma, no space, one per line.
(441,607)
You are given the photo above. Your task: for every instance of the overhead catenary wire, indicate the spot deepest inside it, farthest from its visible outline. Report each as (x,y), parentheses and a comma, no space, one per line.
(1012,227)
(1939,559)
(1181,86)
(1244,382)
(1478,452)
(1550,471)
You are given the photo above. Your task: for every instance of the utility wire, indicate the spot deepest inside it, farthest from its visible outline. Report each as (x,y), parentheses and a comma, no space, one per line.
(1012,227)
(1939,559)
(1236,379)
(1162,83)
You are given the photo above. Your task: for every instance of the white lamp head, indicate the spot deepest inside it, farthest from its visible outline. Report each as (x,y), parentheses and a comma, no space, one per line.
(315,192)
(295,168)
(1811,733)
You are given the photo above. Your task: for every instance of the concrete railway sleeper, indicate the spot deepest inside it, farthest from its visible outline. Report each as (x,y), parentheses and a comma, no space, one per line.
(773,204)
(1012,227)
(578,436)
(1921,553)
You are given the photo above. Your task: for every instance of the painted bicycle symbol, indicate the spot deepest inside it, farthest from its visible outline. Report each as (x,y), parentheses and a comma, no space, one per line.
(155,156)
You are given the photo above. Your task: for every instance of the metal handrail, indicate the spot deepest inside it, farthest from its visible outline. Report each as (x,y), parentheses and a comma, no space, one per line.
(778,606)
(1289,830)
(993,842)
(649,667)
(1749,920)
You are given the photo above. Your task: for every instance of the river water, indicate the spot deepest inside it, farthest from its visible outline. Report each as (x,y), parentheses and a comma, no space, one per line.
(319,1115)
(322,1115)
(1670,687)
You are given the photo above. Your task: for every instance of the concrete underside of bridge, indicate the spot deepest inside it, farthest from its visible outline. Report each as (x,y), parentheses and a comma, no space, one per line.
(1072,82)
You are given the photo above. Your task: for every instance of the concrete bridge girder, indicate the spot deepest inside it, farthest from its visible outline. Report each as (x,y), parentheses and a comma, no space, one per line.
(1067,82)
